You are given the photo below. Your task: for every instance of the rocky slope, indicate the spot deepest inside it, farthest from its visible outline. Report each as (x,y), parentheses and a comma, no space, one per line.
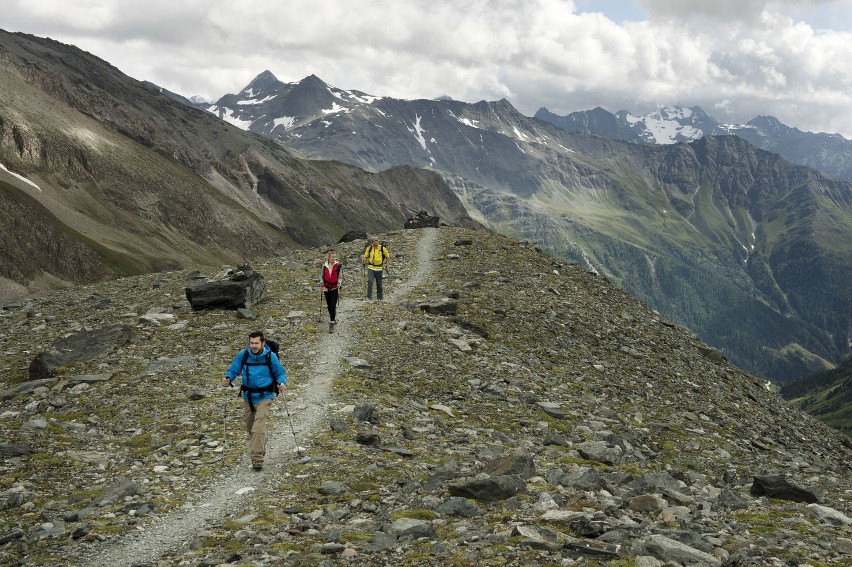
(108,177)
(551,419)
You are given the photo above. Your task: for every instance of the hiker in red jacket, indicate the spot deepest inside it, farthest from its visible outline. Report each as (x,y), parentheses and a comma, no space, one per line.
(332,278)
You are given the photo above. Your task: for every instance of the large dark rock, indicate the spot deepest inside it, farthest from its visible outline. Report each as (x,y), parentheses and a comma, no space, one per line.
(353,235)
(776,486)
(240,288)
(14,450)
(422,220)
(458,506)
(84,345)
(521,465)
(583,479)
(489,489)
(439,306)
(24,387)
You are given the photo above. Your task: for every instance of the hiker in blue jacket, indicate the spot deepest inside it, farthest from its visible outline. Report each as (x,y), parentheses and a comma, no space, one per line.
(263,378)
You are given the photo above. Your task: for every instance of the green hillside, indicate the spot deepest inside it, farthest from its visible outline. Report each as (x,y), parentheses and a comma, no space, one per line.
(826,395)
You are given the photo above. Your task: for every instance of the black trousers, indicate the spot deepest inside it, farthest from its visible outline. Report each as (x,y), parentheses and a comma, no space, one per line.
(331,296)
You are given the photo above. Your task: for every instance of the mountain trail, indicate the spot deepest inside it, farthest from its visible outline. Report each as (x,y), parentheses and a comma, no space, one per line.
(305,411)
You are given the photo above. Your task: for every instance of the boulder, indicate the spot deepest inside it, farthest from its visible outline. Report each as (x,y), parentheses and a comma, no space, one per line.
(422,220)
(776,486)
(240,288)
(14,450)
(521,465)
(25,387)
(601,452)
(439,306)
(353,235)
(666,549)
(83,345)
(412,528)
(489,489)
(118,491)
(458,506)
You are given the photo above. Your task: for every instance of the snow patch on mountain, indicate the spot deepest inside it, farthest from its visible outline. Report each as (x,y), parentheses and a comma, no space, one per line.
(335,108)
(418,132)
(465,121)
(665,125)
(253,101)
(350,96)
(286,121)
(520,135)
(22,178)
(230,117)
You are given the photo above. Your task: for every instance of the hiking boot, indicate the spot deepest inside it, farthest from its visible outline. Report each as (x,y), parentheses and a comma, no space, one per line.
(257,466)
(331,327)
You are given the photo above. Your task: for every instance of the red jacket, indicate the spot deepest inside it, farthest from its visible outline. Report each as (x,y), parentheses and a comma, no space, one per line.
(331,277)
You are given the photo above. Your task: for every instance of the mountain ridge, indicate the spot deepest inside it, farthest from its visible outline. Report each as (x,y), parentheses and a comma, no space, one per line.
(686,211)
(143,183)
(827,152)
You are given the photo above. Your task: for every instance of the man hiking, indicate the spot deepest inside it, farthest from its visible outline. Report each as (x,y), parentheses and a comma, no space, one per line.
(377,258)
(263,378)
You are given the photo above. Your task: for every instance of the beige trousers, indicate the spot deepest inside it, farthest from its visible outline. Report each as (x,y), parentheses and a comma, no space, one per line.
(255,422)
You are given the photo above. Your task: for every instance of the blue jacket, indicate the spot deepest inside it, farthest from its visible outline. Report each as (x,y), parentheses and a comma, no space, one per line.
(256,372)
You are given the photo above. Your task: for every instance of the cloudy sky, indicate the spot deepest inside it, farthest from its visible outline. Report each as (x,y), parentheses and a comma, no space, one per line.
(737,59)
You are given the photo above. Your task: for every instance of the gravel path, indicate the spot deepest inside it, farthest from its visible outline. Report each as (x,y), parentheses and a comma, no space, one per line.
(306,403)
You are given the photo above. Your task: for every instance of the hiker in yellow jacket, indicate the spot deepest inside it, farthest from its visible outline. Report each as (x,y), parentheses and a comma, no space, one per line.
(377,258)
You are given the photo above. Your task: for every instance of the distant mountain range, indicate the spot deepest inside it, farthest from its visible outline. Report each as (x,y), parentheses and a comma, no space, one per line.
(103,176)
(829,153)
(747,249)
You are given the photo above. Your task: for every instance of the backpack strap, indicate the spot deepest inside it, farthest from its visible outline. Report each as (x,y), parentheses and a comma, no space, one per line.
(244,387)
(382,252)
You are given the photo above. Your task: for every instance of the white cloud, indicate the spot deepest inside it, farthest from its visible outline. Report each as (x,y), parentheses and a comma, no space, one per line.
(735,58)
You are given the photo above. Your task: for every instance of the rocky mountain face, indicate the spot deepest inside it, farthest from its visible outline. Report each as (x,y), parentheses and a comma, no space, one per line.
(501,406)
(829,153)
(104,176)
(748,250)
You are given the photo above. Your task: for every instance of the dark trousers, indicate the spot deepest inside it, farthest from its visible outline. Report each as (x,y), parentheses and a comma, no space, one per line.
(377,276)
(331,296)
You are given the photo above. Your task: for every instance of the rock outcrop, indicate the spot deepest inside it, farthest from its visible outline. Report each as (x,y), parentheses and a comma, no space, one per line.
(233,289)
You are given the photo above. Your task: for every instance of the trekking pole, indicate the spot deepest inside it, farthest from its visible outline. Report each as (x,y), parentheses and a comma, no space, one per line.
(293,431)
(224,429)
